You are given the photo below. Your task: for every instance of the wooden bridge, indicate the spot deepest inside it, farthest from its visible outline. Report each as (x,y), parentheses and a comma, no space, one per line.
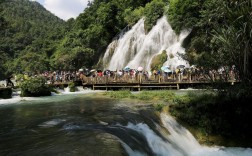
(141,83)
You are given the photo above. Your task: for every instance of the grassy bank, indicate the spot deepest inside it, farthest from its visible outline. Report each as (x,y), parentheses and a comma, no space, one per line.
(222,117)
(159,99)
(214,117)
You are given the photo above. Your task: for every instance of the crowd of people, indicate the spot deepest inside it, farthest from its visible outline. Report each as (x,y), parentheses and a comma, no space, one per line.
(179,74)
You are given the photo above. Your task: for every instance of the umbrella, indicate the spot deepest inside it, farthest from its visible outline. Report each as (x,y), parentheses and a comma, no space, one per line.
(181,66)
(167,71)
(193,66)
(164,68)
(127,68)
(93,70)
(140,68)
(106,72)
(81,70)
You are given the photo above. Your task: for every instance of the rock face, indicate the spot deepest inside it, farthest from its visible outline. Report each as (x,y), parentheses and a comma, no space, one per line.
(41,91)
(5,93)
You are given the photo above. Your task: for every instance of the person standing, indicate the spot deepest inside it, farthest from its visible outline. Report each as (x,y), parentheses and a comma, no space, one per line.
(9,82)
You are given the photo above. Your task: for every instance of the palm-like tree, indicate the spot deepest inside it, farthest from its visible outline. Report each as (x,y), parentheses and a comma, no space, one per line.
(235,37)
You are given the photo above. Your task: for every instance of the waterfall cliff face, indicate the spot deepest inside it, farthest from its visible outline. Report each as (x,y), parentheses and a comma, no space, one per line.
(136,48)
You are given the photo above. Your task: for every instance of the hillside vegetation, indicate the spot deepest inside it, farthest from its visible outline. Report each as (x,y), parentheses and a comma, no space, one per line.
(30,36)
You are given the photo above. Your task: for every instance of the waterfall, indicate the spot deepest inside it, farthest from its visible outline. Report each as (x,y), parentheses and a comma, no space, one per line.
(180,142)
(136,48)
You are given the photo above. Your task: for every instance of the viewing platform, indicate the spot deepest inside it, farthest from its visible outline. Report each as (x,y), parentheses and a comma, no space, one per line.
(141,83)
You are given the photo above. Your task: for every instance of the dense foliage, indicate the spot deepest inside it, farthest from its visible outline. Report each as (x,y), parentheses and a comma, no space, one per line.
(29,38)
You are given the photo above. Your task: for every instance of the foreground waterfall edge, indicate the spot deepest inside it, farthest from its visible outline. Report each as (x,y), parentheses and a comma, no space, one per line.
(180,142)
(136,48)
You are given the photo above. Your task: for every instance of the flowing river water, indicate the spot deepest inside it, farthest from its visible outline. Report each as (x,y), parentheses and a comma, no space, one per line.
(89,125)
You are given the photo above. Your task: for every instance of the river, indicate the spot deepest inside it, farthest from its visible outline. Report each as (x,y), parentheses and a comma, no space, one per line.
(89,125)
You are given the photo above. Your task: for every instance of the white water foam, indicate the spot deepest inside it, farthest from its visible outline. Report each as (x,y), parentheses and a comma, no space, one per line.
(3,83)
(51,123)
(78,90)
(159,146)
(130,151)
(181,142)
(17,99)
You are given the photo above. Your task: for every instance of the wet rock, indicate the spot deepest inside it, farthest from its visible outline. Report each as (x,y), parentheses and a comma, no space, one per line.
(5,93)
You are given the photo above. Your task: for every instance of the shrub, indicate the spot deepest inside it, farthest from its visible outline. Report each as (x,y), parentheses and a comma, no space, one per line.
(19,78)
(35,87)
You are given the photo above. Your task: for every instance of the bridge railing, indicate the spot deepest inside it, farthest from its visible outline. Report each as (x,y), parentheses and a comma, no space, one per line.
(140,79)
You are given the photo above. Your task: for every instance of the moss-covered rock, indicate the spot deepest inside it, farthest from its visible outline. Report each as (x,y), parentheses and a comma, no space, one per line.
(71,86)
(5,93)
(35,87)
(158,61)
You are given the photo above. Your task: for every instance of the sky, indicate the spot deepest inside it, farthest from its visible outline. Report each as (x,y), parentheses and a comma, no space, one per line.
(64,9)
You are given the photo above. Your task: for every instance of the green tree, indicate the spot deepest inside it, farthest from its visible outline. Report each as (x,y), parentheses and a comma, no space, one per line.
(35,87)
(184,14)
(132,16)
(30,62)
(152,12)
(30,28)
(235,37)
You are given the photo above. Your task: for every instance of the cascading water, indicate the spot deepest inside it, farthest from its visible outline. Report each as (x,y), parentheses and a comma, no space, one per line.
(180,142)
(136,48)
